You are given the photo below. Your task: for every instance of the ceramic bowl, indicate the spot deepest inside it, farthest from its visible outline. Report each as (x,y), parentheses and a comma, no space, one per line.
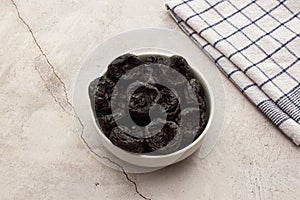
(146,160)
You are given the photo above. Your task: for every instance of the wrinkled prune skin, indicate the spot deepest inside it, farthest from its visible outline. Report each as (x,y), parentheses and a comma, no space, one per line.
(103,94)
(143,129)
(181,65)
(91,91)
(106,123)
(140,102)
(169,102)
(197,87)
(202,124)
(165,139)
(162,72)
(145,75)
(121,65)
(199,92)
(188,131)
(190,113)
(155,59)
(119,136)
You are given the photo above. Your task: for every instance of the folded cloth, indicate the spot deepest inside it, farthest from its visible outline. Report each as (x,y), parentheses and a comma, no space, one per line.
(256,44)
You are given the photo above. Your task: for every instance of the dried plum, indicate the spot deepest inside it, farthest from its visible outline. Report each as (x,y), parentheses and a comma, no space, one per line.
(197,87)
(165,138)
(202,123)
(142,73)
(162,72)
(181,65)
(102,95)
(92,89)
(122,64)
(155,59)
(168,99)
(140,102)
(192,128)
(106,123)
(119,136)
(199,92)
(100,91)
(170,102)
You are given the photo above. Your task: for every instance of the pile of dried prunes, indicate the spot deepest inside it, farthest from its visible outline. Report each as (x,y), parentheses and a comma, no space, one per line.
(149,103)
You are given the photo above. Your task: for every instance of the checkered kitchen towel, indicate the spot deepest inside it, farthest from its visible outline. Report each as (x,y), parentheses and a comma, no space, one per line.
(257,46)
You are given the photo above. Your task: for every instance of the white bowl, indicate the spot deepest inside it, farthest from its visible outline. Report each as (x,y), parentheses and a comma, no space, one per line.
(167,159)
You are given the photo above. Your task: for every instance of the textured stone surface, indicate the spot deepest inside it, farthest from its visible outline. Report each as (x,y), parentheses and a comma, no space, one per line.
(41,156)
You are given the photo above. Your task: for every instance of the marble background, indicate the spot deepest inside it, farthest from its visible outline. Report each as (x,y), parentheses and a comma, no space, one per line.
(42,45)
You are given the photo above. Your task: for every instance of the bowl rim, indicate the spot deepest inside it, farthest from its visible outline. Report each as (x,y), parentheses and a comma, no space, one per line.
(179,153)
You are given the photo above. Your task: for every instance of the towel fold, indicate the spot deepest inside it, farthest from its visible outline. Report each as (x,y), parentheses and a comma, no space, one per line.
(256,44)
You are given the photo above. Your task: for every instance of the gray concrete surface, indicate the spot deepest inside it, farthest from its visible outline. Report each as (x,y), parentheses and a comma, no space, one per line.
(41,156)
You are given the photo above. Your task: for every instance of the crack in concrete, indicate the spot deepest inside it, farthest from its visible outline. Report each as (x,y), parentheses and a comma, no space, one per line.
(47,60)
(50,91)
(116,164)
(68,101)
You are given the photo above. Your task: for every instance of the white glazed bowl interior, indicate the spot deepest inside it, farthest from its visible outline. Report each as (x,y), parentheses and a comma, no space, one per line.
(167,159)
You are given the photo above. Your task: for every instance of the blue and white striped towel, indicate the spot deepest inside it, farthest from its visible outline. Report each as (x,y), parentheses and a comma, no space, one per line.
(257,46)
